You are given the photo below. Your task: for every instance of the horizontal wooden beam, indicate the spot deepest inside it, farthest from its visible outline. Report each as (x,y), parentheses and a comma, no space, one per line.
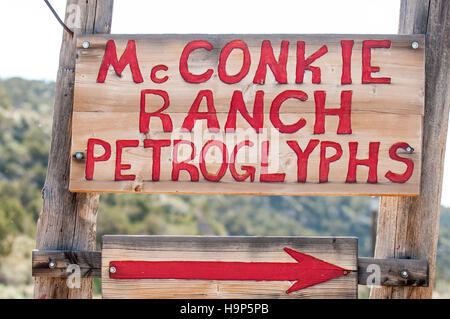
(54,263)
(393,272)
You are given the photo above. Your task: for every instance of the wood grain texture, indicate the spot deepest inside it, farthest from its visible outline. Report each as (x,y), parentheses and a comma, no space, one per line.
(385,113)
(90,266)
(88,261)
(409,227)
(336,250)
(67,220)
(390,271)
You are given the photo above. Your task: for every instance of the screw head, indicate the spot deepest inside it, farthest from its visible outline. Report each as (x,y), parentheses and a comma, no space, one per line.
(86,44)
(415,45)
(51,264)
(404,273)
(79,156)
(112,270)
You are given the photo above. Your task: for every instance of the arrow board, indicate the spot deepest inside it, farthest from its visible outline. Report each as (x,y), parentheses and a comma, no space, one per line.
(229,267)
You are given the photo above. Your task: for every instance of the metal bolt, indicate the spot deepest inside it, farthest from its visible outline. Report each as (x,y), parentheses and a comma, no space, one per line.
(415,45)
(79,156)
(409,149)
(404,274)
(52,265)
(112,270)
(86,44)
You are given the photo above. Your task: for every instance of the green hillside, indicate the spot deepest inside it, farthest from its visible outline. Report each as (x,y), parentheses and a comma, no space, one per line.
(25,128)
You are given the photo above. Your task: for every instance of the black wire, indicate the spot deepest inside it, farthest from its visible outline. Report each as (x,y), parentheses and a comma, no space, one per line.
(58,18)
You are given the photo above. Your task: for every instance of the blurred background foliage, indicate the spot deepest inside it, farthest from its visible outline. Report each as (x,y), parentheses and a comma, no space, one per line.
(25,128)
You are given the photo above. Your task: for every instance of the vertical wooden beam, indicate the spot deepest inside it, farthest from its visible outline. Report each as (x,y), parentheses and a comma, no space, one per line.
(408,227)
(68,220)
(373,232)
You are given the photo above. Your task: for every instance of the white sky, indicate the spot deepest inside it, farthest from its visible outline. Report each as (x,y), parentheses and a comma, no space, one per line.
(31,36)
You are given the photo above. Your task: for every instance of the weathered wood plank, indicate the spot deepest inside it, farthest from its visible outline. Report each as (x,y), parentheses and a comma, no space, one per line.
(88,261)
(393,125)
(67,220)
(339,251)
(391,272)
(120,94)
(90,265)
(409,227)
(385,113)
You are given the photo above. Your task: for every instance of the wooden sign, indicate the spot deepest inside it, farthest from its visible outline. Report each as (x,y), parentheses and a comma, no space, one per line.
(248,114)
(229,267)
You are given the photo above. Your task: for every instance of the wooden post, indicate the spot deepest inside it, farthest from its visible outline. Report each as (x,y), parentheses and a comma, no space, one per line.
(68,220)
(408,227)
(373,232)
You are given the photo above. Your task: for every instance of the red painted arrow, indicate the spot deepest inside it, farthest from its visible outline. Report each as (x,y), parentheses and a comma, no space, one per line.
(307,271)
